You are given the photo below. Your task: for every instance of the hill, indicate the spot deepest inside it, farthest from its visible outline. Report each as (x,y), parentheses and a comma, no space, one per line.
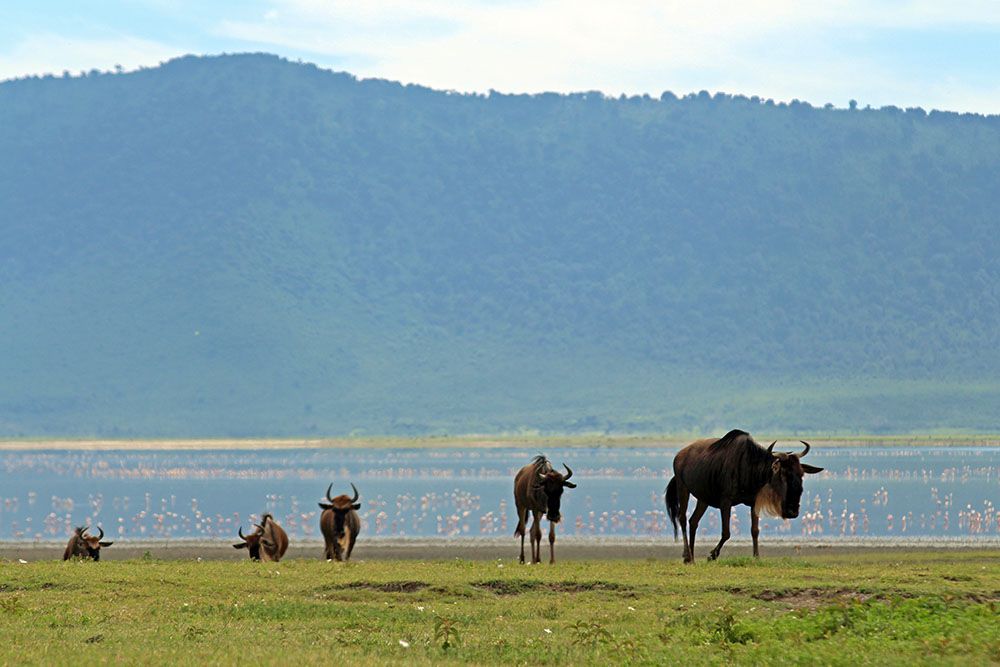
(246,246)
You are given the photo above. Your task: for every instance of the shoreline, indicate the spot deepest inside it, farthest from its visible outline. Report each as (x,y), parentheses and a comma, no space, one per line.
(505,549)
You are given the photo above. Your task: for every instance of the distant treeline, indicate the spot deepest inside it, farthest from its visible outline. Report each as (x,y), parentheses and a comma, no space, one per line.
(242,245)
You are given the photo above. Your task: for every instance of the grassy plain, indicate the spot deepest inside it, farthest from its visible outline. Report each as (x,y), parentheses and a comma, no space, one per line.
(913,607)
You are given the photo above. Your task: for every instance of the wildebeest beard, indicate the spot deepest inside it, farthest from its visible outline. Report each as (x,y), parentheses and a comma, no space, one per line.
(338,523)
(548,493)
(341,531)
(782,494)
(254,549)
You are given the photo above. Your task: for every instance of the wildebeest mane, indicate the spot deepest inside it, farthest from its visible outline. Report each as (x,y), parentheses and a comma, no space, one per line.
(747,462)
(541,464)
(740,444)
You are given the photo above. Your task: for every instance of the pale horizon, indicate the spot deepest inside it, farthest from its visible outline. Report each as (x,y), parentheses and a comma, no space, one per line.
(903,54)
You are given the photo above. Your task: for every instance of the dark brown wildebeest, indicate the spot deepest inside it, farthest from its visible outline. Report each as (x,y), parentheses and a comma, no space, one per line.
(734,470)
(269,542)
(538,489)
(84,545)
(340,524)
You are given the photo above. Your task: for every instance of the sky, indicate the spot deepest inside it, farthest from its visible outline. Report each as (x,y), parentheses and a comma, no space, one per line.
(927,53)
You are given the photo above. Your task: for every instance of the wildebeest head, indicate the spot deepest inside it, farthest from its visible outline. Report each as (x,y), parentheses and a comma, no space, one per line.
(553,483)
(255,540)
(783,492)
(84,545)
(340,506)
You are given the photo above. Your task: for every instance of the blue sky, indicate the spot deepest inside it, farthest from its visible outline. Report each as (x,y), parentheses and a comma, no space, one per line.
(928,53)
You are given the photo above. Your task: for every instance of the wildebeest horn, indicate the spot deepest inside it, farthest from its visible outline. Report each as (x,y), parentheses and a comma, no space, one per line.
(328,490)
(242,536)
(806,450)
(771,448)
(101,531)
(569,472)
(356,494)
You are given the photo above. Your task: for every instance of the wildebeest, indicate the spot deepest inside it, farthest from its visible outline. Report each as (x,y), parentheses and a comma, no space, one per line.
(269,542)
(734,470)
(538,489)
(83,545)
(340,524)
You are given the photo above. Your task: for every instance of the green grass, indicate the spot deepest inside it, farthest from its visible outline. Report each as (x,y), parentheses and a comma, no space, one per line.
(911,607)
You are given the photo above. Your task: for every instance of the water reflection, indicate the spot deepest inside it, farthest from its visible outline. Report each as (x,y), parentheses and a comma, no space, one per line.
(914,493)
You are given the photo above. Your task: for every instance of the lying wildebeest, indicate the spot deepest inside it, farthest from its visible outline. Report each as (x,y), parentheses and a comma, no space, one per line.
(83,545)
(340,524)
(538,489)
(269,542)
(734,470)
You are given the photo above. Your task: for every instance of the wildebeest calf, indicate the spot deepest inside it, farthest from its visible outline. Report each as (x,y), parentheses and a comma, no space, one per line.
(84,545)
(268,542)
(734,470)
(538,489)
(340,524)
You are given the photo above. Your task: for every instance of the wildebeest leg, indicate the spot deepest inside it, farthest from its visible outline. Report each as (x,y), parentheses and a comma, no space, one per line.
(552,543)
(536,538)
(724,509)
(754,531)
(522,527)
(682,511)
(699,510)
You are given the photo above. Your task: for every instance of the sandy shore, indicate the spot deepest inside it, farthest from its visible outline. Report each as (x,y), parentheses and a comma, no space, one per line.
(489,549)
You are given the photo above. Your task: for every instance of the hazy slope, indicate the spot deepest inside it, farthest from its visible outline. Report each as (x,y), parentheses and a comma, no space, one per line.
(246,246)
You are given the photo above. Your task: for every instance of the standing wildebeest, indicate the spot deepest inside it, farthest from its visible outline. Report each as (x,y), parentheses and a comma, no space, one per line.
(734,470)
(538,489)
(340,524)
(269,542)
(82,545)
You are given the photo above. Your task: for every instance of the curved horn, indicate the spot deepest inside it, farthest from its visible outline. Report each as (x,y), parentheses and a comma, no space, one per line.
(101,531)
(328,490)
(356,494)
(806,450)
(569,472)
(84,530)
(770,450)
(242,536)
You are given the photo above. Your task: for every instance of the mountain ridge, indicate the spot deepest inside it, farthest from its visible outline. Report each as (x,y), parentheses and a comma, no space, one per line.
(245,246)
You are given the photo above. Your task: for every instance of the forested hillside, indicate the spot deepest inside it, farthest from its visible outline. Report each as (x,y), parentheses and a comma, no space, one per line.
(246,246)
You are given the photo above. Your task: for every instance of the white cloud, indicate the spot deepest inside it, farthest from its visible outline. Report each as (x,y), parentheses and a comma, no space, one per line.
(774,48)
(48,53)
(632,47)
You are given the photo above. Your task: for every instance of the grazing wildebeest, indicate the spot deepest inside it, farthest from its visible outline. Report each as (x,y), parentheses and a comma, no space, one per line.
(340,524)
(734,470)
(269,542)
(83,545)
(538,489)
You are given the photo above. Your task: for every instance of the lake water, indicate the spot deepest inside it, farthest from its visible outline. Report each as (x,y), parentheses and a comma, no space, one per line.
(913,493)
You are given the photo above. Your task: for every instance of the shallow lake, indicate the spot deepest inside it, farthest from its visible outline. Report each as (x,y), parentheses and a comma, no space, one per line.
(913,493)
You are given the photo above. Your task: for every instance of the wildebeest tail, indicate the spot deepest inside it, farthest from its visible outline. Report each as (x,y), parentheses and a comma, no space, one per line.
(673,506)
